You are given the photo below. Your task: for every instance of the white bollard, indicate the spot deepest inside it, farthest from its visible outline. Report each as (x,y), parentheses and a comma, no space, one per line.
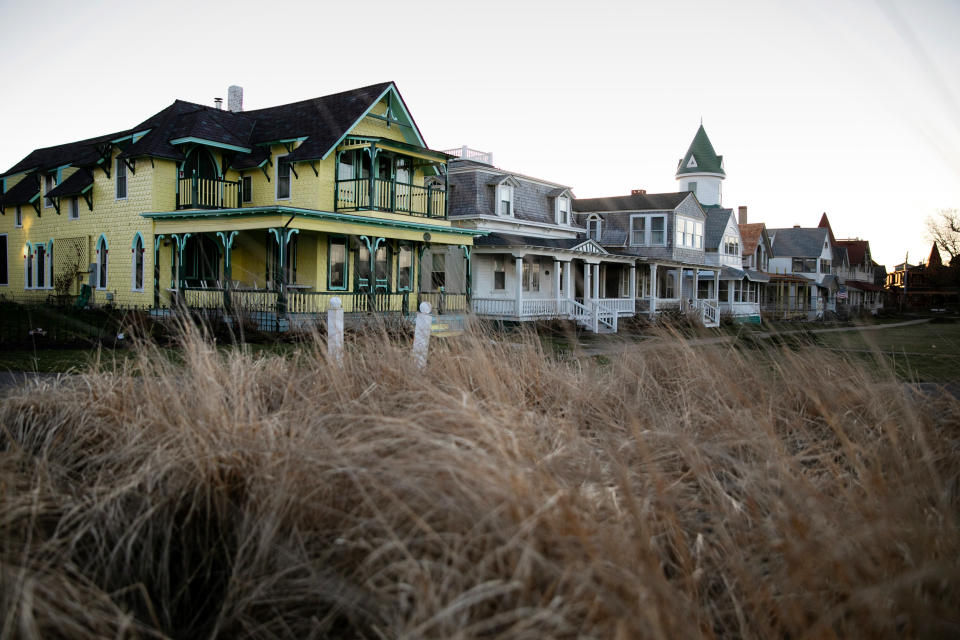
(421,335)
(335,330)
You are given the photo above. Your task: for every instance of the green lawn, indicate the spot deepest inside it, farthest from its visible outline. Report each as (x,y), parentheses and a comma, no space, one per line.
(925,352)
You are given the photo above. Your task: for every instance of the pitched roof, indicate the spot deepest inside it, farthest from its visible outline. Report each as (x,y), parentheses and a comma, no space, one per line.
(840,255)
(512,240)
(706,159)
(714,226)
(825,224)
(857,251)
(22,193)
(319,122)
(802,243)
(934,259)
(74,185)
(633,202)
(750,235)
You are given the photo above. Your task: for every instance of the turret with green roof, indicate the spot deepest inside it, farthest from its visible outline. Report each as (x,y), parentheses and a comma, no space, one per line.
(700,170)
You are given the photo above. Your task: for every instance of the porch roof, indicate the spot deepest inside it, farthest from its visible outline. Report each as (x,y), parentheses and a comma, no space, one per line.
(862,286)
(756,276)
(829,282)
(568,245)
(310,214)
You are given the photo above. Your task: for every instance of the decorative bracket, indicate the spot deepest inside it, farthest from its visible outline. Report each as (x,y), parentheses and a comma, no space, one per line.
(131,164)
(314,167)
(293,171)
(226,237)
(56,204)
(106,151)
(88,197)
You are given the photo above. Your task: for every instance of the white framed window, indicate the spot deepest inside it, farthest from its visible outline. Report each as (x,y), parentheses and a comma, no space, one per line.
(563,210)
(18,218)
(49,182)
(136,264)
(499,273)
(648,230)
(505,200)
(283,178)
(74,208)
(102,261)
(121,181)
(731,245)
(4,261)
(594,230)
(689,233)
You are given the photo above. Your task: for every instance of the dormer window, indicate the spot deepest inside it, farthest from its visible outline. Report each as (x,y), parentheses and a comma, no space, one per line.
(563,210)
(593,227)
(505,200)
(692,164)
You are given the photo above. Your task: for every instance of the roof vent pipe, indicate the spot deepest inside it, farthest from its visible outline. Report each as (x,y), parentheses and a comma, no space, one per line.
(235,98)
(218,103)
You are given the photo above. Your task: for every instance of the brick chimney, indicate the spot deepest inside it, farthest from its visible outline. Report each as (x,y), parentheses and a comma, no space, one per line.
(742,215)
(638,192)
(235,98)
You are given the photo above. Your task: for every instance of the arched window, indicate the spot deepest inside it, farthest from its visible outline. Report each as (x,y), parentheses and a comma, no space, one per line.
(593,227)
(136,275)
(41,252)
(28,266)
(102,251)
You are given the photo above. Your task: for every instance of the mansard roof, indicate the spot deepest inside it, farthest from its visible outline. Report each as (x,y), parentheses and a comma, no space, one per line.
(705,158)
(318,123)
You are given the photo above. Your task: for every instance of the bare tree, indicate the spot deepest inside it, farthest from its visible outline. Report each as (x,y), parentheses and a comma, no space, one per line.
(944,229)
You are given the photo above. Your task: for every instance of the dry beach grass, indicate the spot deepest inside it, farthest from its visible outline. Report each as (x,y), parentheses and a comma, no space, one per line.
(669,491)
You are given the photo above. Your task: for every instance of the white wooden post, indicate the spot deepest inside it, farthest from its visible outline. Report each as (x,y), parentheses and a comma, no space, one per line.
(587,289)
(421,335)
(633,286)
(556,284)
(595,281)
(335,330)
(519,276)
(716,286)
(696,284)
(653,289)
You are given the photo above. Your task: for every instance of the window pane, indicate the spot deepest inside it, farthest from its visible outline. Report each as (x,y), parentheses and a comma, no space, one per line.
(404,261)
(338,263)
(283,179)
(639,231)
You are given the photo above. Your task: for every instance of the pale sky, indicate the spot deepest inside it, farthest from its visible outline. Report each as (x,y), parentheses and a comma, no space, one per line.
(846,106)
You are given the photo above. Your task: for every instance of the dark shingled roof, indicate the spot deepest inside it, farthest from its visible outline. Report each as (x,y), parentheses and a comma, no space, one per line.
(750,235)
(511,240)
(72,186)
(840,256)
(321,122)
(22,192)
(82,152)
(633,202)
(714,226)
(702,151)
(801,243)
(856,251)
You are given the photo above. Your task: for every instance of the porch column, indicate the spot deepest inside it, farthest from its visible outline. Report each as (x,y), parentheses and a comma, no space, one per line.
(653,289)
(468,273)
(595,280)
(556,282)
(716,286)
(633,280)
(696,284)
(157,239)
(227,238)
(587,288)
(181,244)
(568,279)
(518,264)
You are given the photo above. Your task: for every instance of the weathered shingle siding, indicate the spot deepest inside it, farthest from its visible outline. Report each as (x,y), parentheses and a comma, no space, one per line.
(472,194)
(465,196)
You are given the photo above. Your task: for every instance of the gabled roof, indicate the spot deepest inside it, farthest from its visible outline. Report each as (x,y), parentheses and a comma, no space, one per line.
(800,243)
(705,158)
(750,236)
(23,192)
(840,255)
(714,226)
(857,251)
(633,202)
(934,259)
(825,224)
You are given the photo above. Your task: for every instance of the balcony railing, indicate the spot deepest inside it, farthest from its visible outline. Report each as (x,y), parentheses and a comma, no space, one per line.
(207,193)
(358,194)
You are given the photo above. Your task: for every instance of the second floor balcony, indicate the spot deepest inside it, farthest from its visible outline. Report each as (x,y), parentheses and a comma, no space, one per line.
(194,192)
(374,194)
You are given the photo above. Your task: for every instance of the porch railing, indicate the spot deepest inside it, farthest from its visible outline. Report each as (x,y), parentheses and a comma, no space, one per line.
(207,193)
(501,307)
(305,302)
(443,302)
(356,194)
(623,306)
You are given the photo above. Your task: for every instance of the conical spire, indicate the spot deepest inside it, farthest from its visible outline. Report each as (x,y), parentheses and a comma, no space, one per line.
(934,259)
(704,158)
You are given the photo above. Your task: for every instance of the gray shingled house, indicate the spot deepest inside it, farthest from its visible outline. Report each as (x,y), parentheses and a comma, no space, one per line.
(665,233)
(537,260)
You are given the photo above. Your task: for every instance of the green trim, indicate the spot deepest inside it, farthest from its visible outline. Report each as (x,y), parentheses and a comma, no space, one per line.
(346,262)
(283,141)
(210,143)
(199,214)
(366,112)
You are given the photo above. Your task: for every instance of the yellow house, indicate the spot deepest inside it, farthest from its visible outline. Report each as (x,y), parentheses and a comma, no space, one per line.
(275,209)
